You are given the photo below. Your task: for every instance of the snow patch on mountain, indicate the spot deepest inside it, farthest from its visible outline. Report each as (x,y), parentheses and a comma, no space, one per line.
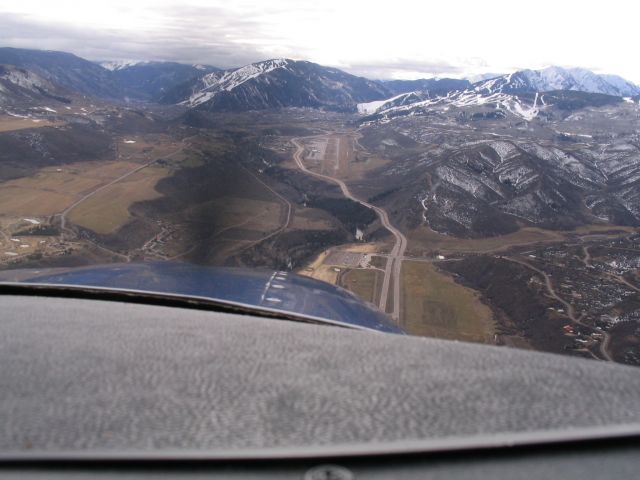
(24,78)
(216,82)
(558,78)
(466,98)
(120,64)
(370,108)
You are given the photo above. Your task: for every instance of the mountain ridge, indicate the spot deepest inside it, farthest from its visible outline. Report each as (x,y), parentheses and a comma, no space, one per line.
(150,80)
(65,70)
(277,83)
(558,78)
(281,82)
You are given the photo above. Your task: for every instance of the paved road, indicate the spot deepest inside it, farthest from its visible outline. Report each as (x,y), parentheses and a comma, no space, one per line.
(394,262)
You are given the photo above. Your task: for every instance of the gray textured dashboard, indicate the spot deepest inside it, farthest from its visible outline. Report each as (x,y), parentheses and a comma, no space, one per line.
(86,375)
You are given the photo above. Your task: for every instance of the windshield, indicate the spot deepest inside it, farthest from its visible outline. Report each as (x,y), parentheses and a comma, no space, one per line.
(472,190)
(467,172)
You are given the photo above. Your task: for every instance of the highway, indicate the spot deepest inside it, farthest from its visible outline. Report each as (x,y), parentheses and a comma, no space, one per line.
(394,262)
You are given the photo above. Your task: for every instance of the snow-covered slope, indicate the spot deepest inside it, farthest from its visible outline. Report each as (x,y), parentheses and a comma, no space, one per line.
(19,86)
(403,99)
(226,81)
(119,64)
(558,78)
(526,108)
(65,70)
(524,94)
(277,83)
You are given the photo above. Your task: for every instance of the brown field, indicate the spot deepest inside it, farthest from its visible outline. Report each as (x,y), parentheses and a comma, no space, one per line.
(433,305)
(316,269)
(378,262)
(8,124)
(15,201)
(53,189)
(108,210)
(311,219)
(364,283)
(362,165)
(50,191)
(149,147)
(247,214)
(423,241)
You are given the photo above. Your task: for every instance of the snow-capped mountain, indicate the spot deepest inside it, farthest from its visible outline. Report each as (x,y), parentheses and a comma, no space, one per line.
(558,78)
(524,94)
(149,80)
(484,105)
(119,64)
(275,84)
(479,181)
(403,99)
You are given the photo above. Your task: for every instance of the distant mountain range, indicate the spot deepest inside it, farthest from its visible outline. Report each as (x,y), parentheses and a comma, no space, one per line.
(275,84)
(557,78)
(110,80)
(431,85)
(65,70)
(524,94)
(151,80)
(282,83)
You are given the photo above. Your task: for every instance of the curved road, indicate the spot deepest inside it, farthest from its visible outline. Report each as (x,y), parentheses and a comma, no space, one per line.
(394,262)
(569,310)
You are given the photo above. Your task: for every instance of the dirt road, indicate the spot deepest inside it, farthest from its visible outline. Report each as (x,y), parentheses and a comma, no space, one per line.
(66,211)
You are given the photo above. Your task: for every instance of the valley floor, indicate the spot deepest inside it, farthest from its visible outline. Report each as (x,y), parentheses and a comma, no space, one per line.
(306,197)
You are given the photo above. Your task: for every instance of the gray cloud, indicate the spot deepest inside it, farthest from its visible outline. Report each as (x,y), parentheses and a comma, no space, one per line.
(396,68)
(367,37)
(183,42)
(207,35)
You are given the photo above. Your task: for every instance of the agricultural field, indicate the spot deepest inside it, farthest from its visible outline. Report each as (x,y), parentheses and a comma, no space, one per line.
(365,283)
(9,124)
(425,242)
(108,210)
(51,190)
(434,305)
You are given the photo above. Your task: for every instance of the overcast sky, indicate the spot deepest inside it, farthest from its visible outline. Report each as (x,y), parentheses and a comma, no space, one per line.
(377,39)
